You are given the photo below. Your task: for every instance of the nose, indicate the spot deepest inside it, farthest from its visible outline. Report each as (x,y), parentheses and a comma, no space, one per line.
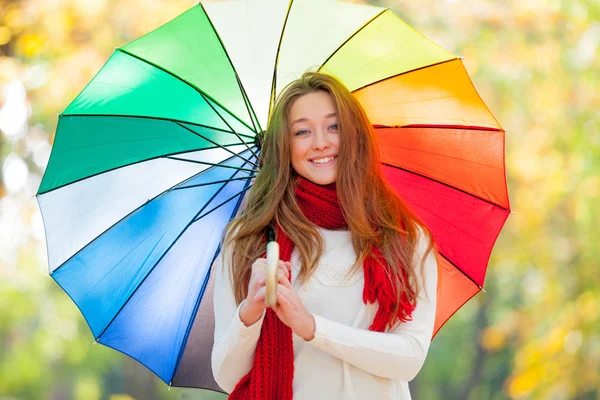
(321,140)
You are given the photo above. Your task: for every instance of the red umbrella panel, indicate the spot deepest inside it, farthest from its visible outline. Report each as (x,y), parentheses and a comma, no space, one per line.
(443,152)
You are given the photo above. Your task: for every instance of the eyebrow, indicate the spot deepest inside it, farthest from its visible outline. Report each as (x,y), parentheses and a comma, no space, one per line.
(333,114)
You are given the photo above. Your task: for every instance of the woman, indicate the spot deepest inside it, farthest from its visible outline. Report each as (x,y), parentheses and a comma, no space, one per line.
(357,318)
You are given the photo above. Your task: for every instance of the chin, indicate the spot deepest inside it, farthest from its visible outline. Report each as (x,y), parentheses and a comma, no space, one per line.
(319,176)
(321,180)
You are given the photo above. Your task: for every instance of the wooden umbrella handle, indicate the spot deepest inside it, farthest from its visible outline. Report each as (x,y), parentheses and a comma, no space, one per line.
(272,261)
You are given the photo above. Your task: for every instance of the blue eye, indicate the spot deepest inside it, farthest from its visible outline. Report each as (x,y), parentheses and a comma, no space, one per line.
(300,133)
(334,127)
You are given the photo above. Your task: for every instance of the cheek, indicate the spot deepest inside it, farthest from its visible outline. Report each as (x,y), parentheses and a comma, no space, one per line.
(336,145)
(297,152)
(335,140)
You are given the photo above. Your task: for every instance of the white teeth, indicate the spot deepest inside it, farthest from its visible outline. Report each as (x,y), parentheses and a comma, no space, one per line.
(323,160)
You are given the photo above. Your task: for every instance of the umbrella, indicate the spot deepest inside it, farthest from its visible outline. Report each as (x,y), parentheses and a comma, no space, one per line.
(152,158)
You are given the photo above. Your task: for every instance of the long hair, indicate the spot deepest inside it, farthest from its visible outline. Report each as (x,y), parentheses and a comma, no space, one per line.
(375,215)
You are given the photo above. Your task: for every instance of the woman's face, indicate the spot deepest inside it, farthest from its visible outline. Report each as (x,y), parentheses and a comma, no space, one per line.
(315,137)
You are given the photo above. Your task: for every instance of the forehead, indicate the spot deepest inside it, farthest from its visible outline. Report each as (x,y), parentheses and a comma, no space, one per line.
(312,106)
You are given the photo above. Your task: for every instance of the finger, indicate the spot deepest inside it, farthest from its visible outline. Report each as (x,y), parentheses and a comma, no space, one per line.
(283,301)
(286,283)
(282,278)
(259,268)
(287,290)
(258,281)
(260,295)
(261,292)
(259,263)
(276,308)
(288,293)
(288,264)
(281,264)
(258,273)
(287,267)
(282,267)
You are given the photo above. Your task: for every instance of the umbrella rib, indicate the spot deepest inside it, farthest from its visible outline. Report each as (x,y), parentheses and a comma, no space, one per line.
(404,73)
(199,299)
(195,312)
(372,83)
(130,213)
(223,203)
(455,311)
(214,182)
(351,36)
(200,91)
(208,163)
(158,119)
(274,81)
(127,165)
(480,98)
(466,301)
(227,123)
(461,271)
(161,257)
(432,126)
(447,185)
(244,94)
(248,106)
(122,351)
(216,144)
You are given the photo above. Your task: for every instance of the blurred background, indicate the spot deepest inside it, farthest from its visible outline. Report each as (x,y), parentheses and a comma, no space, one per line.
(534,333)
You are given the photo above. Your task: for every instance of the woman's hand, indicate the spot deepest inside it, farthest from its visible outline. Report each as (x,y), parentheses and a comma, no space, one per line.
(291,310)
(254,306)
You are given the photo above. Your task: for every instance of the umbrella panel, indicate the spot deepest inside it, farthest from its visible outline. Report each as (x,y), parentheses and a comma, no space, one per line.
(174,245)
(435,95)
(464,227)
(468,159)
(453,291)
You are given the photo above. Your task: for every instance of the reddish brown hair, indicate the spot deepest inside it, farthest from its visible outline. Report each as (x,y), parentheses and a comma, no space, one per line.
(375,215)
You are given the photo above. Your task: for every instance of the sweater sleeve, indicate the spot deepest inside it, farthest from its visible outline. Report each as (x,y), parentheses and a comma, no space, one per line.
(235,343)
(398,354)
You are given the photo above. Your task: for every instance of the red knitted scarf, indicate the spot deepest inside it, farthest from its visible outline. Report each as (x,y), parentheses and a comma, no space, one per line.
(273,368)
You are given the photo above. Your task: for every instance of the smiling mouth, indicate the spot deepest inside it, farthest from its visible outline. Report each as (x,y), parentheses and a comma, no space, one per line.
(323,160)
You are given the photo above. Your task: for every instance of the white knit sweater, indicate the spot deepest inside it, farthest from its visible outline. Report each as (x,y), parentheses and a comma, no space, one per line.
(344,360)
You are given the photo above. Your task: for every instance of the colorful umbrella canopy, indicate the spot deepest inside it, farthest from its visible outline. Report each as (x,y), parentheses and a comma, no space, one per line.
(153,157)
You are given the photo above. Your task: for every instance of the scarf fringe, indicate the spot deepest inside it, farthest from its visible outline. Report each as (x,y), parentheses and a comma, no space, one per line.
(380,289)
